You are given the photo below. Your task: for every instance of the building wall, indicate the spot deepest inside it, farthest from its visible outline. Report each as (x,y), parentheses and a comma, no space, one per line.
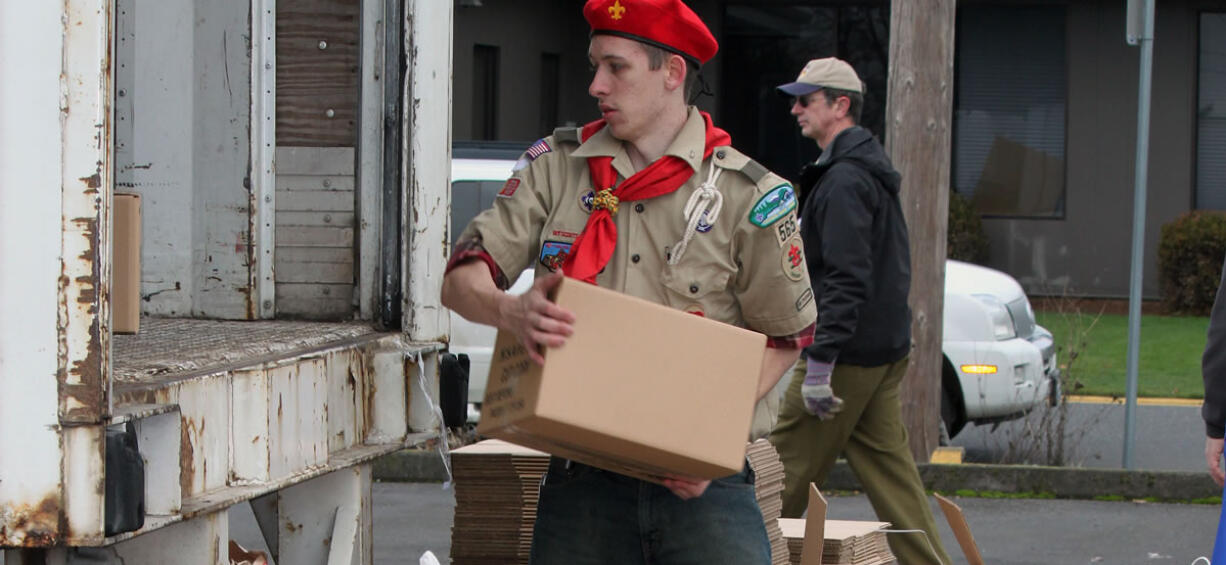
(523,29)
(1088,252)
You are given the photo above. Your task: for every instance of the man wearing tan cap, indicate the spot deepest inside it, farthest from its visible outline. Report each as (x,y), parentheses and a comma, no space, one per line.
(651,200)
(843,397)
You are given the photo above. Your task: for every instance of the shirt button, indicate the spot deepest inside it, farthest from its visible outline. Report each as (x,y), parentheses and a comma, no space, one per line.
(719,154)
(634,258)
(693,289)
(638,208)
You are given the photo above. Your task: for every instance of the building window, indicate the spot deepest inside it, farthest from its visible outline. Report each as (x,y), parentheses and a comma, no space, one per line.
(1010,98)
(485,92)
(551,65)
(1211,114)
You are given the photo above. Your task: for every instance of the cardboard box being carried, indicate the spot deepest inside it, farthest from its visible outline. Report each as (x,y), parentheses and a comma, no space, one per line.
(639,389)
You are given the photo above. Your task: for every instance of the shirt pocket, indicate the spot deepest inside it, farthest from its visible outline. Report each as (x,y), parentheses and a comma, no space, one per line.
(700,290)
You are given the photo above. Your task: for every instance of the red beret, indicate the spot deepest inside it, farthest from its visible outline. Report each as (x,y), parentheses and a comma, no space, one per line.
(668,24)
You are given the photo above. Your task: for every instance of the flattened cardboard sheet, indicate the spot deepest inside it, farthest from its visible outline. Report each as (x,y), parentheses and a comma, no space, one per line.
(815,528)
(962,531)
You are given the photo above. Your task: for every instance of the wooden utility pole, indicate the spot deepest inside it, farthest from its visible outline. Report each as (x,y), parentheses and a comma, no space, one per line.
(919,114)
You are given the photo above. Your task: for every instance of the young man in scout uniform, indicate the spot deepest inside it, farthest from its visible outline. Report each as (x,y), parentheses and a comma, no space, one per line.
(651,200)
(859,261)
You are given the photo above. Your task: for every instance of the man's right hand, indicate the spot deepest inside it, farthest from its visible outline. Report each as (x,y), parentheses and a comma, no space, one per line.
(535,319)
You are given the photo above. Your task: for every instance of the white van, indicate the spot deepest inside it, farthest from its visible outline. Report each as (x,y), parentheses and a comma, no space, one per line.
(999,364)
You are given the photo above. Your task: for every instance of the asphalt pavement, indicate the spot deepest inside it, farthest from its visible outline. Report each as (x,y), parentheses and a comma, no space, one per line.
(411,518)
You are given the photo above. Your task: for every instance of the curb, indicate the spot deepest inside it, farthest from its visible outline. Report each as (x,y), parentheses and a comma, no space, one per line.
(1061,482)
(416,465)
(1144,401)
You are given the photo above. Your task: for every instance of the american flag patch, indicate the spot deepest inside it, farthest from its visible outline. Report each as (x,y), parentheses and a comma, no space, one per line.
(539,148)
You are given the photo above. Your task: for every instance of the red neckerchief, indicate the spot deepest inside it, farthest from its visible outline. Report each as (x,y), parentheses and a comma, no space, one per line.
(594,247)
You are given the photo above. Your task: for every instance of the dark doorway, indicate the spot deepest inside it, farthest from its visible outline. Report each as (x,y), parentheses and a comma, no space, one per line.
(767,45)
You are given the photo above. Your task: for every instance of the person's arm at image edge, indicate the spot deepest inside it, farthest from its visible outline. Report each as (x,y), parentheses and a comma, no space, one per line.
(1213,368)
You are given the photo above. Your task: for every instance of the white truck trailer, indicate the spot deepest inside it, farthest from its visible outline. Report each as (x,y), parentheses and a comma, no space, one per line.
(291,159)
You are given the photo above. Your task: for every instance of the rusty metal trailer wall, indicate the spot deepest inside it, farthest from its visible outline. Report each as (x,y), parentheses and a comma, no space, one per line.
(287,415)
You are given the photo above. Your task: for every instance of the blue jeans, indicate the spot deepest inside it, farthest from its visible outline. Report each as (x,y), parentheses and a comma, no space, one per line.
(588,516)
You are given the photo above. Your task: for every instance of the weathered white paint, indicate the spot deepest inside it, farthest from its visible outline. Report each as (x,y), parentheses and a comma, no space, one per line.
(316,232)
(221,118)
(370,156)
(427,167)
(30,147)
(202,541)
(154,70)
(84,478)
(158,437)
(347,385)
(389,405)
(205,406)
(263,151)
(424,414)
(249,432)
(317,510)
(187,77)
(298,426)
(86,177)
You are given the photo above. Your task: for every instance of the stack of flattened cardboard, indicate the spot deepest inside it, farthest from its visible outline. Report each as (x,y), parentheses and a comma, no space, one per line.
(768,485)
(846,542)
(496,486)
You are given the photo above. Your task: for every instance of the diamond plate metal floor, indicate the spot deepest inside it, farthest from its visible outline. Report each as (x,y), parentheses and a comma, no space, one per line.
(168,347)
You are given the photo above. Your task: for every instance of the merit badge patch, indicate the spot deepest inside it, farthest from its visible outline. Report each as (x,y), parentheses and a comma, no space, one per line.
(553,253)
(777,203)
(587,200)
(805,298)
(793,259)
(539,148)
(786,229)
(703,226)
(508,189)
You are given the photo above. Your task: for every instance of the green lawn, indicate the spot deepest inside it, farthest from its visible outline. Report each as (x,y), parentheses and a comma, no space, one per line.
(1170,353)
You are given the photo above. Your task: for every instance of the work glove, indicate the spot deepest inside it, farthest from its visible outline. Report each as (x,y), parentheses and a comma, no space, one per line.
(819,398)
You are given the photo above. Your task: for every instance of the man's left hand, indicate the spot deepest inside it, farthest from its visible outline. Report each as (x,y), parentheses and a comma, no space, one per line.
(1213,456)
(687,489)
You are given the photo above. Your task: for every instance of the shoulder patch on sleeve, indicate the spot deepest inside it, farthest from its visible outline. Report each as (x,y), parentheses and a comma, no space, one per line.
(539,148)
(733,160)
(566,135)
(777,203)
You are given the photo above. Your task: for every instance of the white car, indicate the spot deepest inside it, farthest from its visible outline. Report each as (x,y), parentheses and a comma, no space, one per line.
(998,363)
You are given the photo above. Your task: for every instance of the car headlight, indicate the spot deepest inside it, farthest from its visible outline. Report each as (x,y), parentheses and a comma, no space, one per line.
(998,315)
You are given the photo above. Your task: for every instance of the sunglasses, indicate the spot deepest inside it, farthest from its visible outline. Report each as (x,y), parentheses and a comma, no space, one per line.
(804,100)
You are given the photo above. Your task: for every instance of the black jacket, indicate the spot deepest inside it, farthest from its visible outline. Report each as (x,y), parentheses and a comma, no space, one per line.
(856,247)
(1213,366)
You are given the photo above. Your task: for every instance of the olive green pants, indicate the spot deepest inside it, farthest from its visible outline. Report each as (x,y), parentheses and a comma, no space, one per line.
(870,434)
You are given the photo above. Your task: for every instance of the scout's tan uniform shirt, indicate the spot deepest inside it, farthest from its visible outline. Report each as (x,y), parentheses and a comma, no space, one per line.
(734,271)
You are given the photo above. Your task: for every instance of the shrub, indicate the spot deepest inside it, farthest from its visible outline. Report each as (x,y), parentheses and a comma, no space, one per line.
(965,238)
(1190,255)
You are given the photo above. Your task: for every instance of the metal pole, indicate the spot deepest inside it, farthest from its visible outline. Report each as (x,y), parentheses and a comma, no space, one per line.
(1138,230)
